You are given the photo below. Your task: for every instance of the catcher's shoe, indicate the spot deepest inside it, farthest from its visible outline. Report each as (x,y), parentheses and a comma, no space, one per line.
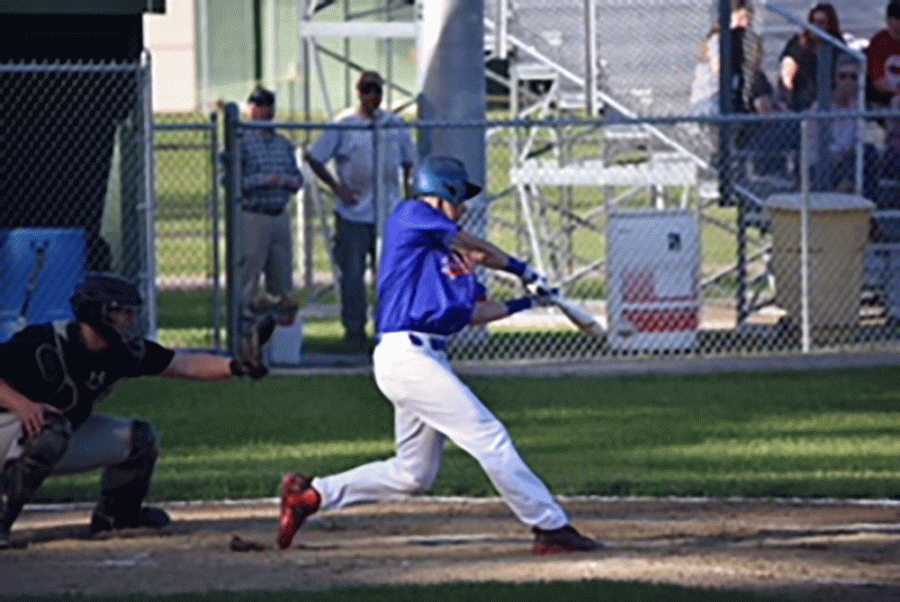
(149,518)
(8,543)
(298,500)
(564,539)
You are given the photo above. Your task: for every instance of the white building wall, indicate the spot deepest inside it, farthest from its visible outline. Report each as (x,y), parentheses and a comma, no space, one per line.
(171,39)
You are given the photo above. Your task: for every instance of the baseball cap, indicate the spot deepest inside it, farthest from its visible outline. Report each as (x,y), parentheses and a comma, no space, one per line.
(893,9)
(261,96)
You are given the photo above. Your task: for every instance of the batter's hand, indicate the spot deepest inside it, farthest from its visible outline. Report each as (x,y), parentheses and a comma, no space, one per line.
(537,285)
(544,299)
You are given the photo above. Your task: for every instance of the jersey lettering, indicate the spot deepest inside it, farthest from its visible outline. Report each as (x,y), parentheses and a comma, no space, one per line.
(455,264)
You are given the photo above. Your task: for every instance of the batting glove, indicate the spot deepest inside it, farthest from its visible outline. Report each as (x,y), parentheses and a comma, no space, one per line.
(545,298)
(539,287)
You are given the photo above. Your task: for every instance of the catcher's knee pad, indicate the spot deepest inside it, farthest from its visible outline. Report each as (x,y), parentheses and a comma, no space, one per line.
(21,477)
(144,445)
(47,447)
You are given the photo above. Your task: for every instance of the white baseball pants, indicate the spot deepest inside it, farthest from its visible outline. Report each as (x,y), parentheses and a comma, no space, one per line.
(431,405)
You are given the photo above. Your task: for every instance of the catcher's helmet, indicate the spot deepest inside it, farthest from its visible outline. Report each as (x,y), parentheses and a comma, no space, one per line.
(97,297)
(444,177)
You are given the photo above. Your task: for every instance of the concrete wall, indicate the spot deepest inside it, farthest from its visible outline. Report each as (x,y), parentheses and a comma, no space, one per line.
(172,41)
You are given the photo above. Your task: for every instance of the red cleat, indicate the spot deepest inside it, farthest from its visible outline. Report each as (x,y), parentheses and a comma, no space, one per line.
(298,500)
(562,540)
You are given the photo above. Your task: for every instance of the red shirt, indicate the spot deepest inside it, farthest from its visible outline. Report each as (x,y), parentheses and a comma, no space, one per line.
(884,58)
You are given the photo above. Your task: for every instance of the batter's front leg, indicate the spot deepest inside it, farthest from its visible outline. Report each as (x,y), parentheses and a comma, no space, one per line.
(449,405)
(414,468)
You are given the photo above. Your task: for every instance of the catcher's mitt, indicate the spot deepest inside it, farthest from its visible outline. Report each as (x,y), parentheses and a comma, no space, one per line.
(256,334)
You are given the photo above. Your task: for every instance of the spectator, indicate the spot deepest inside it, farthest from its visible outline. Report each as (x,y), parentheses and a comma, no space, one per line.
(884,73)
(356,187)
(746,55)
(746,61)
(883,92)
(837,170)
(884,60)
(799,59)
(704,99)
(269,178)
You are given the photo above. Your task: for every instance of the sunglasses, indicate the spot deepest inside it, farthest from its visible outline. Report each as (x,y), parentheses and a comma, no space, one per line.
(370,88)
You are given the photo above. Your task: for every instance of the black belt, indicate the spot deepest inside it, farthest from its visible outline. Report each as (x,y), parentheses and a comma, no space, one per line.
(264,210)
(436,343)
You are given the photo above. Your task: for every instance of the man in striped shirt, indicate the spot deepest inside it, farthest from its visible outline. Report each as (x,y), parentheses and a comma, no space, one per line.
(270,176)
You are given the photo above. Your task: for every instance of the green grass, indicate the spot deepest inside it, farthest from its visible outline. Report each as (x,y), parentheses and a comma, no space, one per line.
(784,434)
(812,434)
(578,591)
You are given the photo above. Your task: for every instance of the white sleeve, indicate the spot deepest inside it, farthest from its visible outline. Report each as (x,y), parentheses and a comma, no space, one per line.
(325,148)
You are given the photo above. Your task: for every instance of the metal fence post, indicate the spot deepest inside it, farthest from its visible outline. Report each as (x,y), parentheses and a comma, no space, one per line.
(804,236)
(231,180)
(149,194)
(215,216)
(824,100)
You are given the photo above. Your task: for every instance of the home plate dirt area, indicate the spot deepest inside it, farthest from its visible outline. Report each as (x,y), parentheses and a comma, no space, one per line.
(823,550)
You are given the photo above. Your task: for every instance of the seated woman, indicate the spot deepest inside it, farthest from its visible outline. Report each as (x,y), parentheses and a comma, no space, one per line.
(833,166)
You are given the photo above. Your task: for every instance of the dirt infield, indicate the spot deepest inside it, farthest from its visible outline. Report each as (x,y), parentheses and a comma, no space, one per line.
(824,550)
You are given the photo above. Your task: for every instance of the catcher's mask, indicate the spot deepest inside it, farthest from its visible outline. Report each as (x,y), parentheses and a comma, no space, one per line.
(112,306)
(444,177)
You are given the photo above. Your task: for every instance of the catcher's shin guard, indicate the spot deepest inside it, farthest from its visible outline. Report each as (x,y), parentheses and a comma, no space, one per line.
(125,486)
(22,476)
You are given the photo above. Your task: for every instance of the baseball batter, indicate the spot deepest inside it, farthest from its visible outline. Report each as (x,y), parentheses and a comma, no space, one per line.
(51,375)
(428,290)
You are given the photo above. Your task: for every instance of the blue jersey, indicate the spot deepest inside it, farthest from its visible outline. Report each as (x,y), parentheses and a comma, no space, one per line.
(423,284)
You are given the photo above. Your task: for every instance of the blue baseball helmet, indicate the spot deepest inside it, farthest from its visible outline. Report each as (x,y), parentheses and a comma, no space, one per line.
(444,177)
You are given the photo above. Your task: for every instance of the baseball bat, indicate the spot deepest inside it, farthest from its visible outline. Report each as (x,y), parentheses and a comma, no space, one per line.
(580,318)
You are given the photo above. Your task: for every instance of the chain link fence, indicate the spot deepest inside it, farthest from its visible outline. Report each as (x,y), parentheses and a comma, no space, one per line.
(766,232)
(190,239)
(775,242)
(784,245)
(75,184)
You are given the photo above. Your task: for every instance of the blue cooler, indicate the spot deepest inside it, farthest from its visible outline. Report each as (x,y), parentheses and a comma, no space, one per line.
(39,269)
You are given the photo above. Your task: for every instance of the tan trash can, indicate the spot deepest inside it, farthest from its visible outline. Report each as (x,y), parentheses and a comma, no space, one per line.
(838,237)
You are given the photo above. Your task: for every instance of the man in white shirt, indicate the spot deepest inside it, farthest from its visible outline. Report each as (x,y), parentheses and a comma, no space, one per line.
(364,197)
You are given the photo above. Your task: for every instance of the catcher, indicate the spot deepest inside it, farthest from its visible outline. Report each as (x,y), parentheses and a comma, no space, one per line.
(51,375)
